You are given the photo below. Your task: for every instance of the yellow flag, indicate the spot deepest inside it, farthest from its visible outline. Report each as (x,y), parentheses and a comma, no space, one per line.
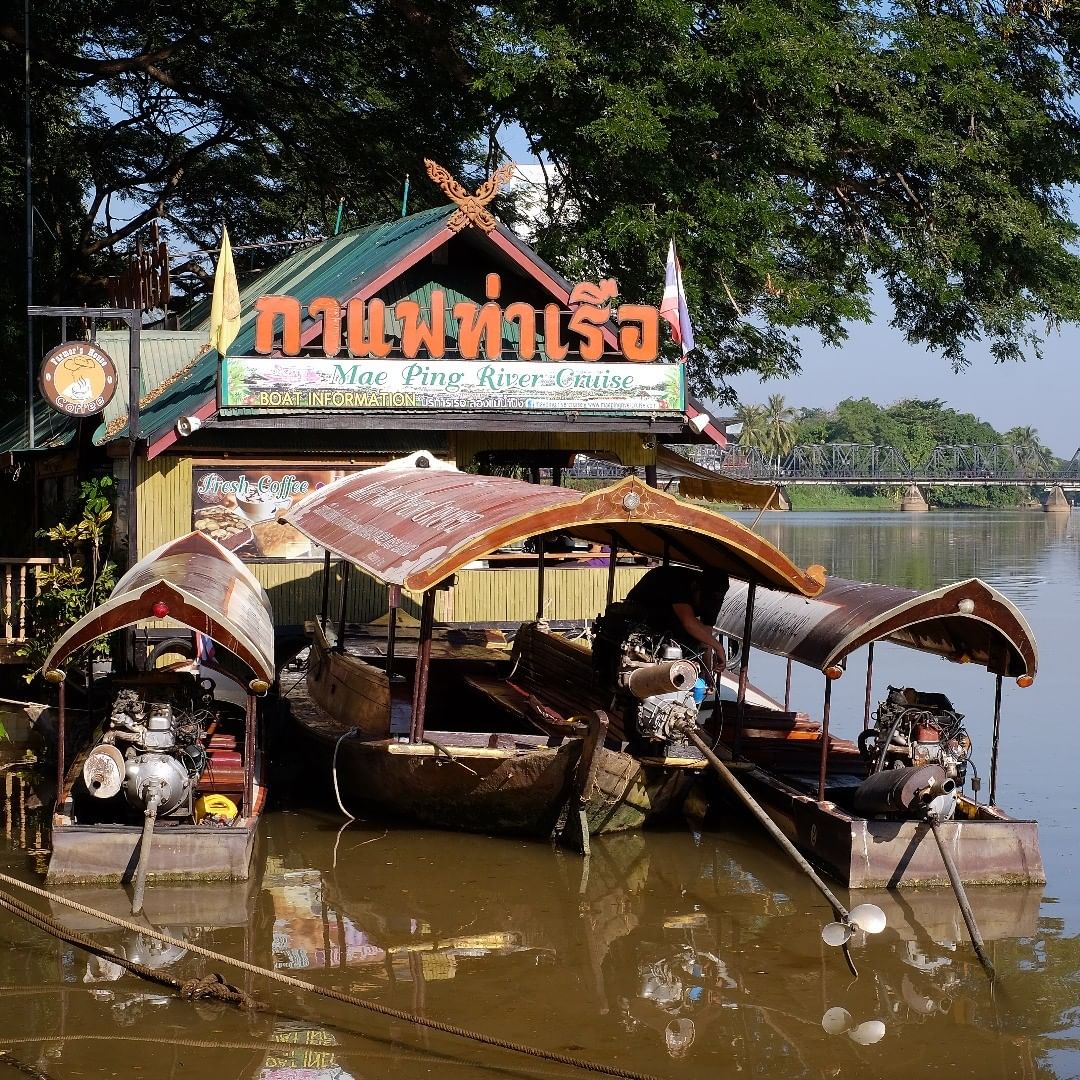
(225,309)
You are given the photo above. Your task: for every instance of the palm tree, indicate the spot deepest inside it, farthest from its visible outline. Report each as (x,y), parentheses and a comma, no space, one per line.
(753,430)
(1030,453)
(779,429)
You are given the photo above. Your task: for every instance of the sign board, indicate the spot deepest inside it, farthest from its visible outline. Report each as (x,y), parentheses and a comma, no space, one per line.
(318,384)
(239,508)
(78,378)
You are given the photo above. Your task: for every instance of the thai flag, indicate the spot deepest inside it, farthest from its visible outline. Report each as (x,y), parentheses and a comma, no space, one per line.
(204,648)
(673,306)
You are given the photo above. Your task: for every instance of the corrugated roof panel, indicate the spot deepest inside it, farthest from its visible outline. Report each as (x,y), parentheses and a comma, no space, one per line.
(162,353)
(337,267)
(52,429)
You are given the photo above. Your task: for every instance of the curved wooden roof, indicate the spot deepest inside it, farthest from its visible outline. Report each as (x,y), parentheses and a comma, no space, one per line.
(414,526)
(967,622)
(205,588)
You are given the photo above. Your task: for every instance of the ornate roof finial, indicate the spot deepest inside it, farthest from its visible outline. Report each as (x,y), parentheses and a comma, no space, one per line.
(470,209)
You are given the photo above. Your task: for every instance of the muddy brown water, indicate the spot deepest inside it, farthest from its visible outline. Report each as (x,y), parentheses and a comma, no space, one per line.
(676,953)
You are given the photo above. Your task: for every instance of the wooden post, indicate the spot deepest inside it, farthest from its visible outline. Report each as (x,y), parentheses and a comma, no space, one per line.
(394,600)
(249,757)
(823,768)
(613,558)
(556,476)
(539,578)
(744,665)
(994,743)
(325,607)
(61,733)
(346,568)
(787,687)
(650,475)
(423,664)
(869,685)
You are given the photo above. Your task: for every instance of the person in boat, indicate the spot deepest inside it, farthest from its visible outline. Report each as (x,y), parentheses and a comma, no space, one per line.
(681,603)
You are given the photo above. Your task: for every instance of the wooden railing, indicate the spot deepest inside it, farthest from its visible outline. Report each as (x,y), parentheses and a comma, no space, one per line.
(18,586)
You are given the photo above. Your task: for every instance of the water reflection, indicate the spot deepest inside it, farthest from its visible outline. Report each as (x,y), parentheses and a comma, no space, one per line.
(665,953)
(678,955)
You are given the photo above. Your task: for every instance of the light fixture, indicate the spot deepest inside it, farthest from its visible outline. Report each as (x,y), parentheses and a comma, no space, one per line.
(186,425)
(699,422)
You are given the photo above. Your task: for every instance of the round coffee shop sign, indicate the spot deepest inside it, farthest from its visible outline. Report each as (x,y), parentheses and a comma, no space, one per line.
(78,378)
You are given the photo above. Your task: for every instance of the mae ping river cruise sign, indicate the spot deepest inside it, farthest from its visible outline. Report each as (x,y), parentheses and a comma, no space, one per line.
(316,383)
(559,357)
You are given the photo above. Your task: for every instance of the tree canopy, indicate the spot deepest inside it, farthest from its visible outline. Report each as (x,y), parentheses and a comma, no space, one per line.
(803,154)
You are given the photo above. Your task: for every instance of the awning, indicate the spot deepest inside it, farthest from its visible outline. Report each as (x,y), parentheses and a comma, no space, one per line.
(415,526)
(697,482)
(203,587)
(969,622)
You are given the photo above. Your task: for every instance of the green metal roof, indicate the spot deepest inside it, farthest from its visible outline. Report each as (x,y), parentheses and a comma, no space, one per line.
(52,430)
(163,357)
(337,267)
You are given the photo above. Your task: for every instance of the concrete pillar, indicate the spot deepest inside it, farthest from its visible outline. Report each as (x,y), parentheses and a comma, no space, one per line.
(913,500)
(1056,503)
(781,501)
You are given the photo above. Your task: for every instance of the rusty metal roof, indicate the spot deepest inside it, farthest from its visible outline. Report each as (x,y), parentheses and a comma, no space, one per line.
(414,526)
(967,622)
(205,588)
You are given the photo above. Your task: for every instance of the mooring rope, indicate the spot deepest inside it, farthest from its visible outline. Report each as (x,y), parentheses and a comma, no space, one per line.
(208,986)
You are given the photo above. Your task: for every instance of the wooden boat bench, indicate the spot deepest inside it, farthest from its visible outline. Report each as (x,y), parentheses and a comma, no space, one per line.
(550,683)
(789,743)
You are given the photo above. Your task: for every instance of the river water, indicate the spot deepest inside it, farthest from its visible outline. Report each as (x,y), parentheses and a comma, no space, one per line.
(673,953)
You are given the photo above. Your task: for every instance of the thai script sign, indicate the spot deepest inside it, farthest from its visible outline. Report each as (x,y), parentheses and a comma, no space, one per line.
(591,327)
(240,507)
(78,378)
(323,384)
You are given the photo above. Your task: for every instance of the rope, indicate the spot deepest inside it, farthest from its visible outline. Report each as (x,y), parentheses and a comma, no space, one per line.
(216,987)
(212,986)
(333,769)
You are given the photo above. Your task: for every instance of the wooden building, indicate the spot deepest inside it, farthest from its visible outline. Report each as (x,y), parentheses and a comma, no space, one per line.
(225,445)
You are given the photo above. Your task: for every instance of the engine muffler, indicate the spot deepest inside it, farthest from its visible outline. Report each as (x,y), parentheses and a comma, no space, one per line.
(897,791)
(668,677)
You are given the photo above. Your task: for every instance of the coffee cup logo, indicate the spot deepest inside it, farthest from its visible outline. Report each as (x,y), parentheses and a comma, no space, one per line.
(78,378)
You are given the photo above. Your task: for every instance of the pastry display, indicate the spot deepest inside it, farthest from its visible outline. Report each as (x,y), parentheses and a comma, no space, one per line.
(279,541)
(223,524)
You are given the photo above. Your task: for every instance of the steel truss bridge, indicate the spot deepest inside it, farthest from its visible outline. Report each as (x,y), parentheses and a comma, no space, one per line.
(864,465)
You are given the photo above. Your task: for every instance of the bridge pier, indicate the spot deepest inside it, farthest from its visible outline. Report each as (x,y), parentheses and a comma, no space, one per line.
(914,501)
(1056,502)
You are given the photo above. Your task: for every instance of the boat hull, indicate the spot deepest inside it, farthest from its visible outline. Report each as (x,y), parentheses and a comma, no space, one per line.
(862,853)
(516,786)
(101,854)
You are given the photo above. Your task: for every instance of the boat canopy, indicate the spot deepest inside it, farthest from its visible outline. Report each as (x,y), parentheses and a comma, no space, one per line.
(698,482)
(414,525)
(195,582)
(968,622)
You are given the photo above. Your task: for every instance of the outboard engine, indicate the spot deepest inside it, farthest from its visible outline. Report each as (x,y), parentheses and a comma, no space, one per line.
(916,736)
(151,751)
(655,685)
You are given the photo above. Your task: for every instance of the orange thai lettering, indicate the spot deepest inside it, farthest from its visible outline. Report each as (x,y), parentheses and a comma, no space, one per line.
(267,309)
(417,333)
(639,332)
(367,335)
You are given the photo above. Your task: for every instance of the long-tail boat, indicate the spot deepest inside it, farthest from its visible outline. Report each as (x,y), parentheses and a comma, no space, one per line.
(866,810)
(541,749)
(170,784)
